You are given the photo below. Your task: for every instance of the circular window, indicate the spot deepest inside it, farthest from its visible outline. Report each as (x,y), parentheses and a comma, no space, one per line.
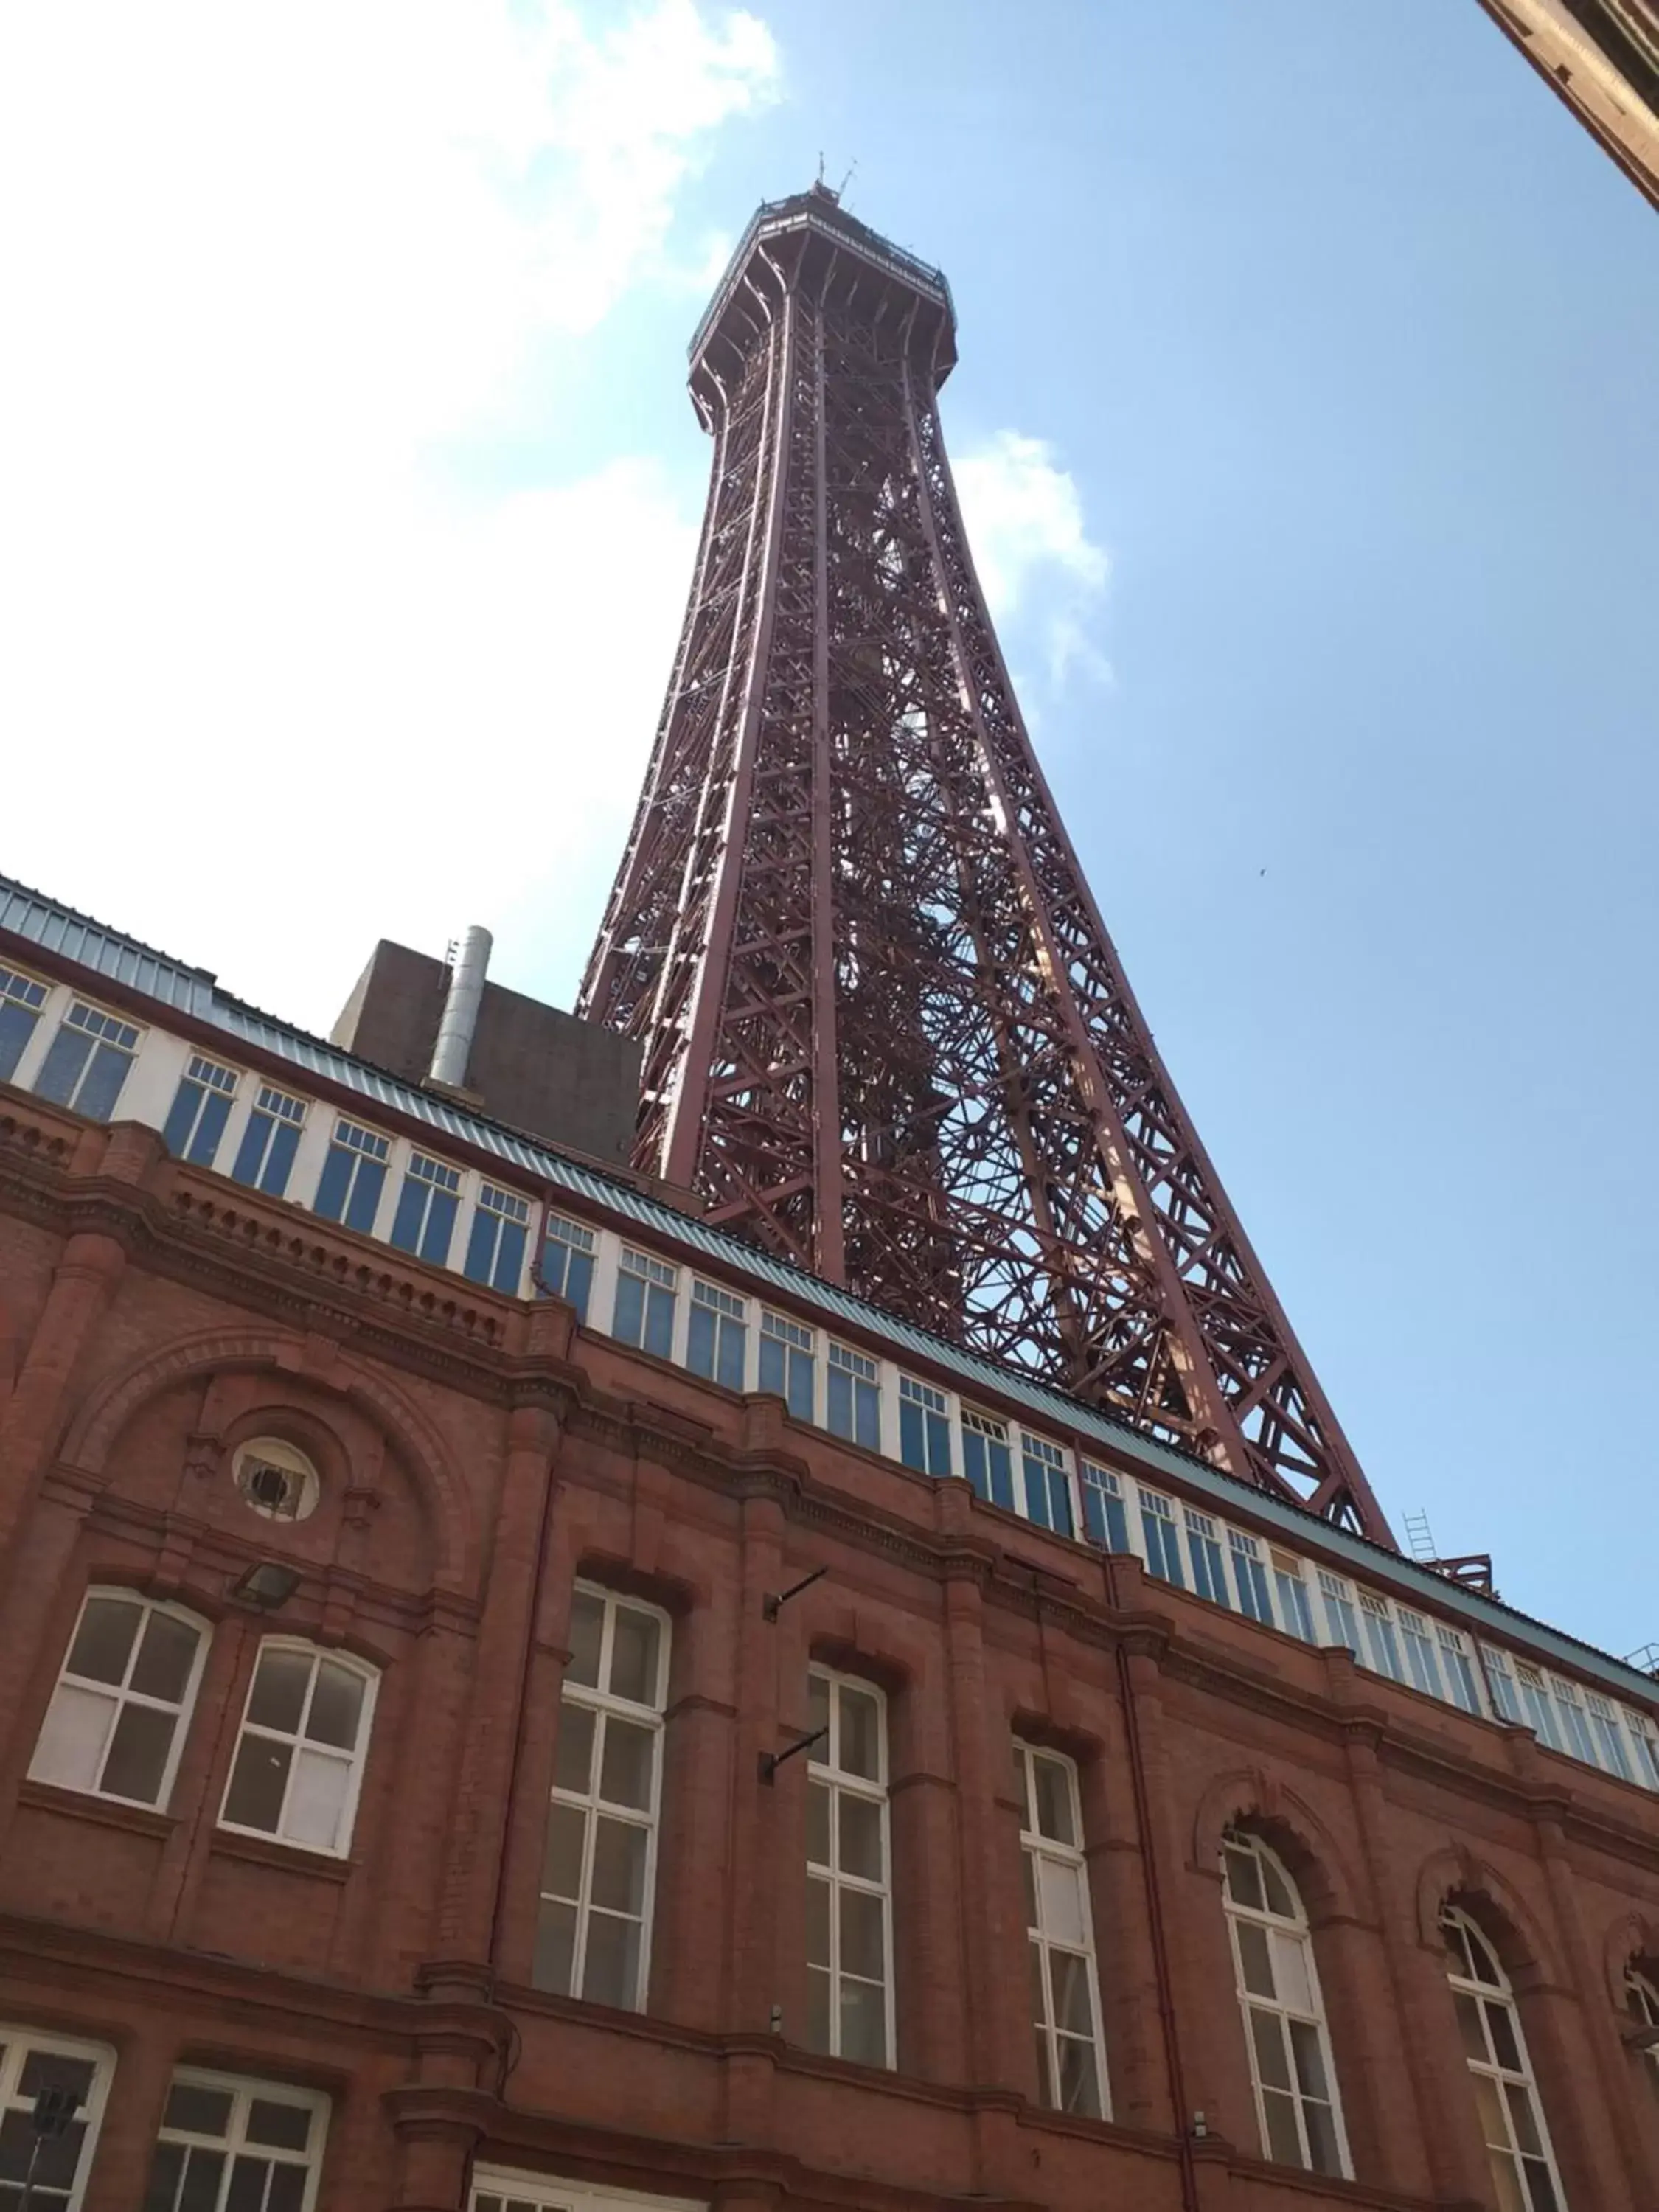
(275,1479)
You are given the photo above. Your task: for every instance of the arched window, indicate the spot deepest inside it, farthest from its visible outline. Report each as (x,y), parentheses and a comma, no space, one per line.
(1642,2002)
(1297,2105)
(1506,2096)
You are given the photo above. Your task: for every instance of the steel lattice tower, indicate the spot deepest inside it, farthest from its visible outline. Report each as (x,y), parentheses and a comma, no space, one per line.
(885,1033)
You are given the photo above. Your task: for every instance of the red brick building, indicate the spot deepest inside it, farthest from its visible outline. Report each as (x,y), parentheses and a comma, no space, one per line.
(414,1793)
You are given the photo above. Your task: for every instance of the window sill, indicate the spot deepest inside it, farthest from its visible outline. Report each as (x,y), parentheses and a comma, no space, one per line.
(269,1851)
(107,1812)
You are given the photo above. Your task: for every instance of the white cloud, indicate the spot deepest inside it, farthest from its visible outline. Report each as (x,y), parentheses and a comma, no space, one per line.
(270,687)
(1035,557)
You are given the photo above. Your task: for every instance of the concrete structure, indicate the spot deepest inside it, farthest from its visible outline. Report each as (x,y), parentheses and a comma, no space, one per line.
(403,1797)
(1602,58)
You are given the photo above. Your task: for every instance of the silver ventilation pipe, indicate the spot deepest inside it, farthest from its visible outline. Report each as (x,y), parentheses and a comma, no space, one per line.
(454,1049)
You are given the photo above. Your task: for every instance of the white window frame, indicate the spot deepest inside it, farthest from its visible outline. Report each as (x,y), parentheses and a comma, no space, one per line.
(654,1275)
(1040,1461)
(213,1078)
(354,1760)
(932,1404)
(1295,1616)
(863,1372)
(824,1770)
(514,2190)
(1607,1734)
(1207,1557)
(1337,1591)
(118,1696)
(130,1041)
(1069,1866)
(17,986)
(796,1341)
(243,2089)
(1479,1992)
(1460,1672)
(1281,1931)
(509,1209)
(1538,1705)
(728,1310)
(606,1705)
(18,2043)
(1381,1633)
(1155,1507)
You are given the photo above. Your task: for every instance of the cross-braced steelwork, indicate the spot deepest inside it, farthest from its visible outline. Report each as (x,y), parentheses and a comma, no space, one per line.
(885,1032)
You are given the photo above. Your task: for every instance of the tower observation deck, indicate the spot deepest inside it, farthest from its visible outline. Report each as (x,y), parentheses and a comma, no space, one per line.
(885,1033)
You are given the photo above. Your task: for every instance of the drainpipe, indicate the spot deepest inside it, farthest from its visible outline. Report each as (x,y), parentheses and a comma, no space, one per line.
(454,1049)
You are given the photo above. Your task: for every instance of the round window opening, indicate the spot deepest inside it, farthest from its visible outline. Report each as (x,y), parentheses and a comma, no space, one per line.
(277,1480)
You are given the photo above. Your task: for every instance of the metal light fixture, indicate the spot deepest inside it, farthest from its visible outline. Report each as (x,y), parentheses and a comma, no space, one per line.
(268,1585)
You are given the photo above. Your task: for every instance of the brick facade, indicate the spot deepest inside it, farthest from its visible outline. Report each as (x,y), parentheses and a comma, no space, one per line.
(477,1455)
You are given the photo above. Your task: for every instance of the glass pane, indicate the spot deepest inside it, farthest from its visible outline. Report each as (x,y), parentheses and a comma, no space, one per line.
(561,1855)
(162,2194)
(287,2127)
(861,1944)
(165,1657)
(55,2069)
(1324,2152)
(1457,1946)
(286,2191)
(1059,1887)
(556,1944)
(1046,2089)
(1501,2022)
(818,1712)
(817,2009)
(317,1801)
(1539,2186)
(1484,1966)
(864,2023)
(1489,2103)
(1284,2143)
(860,1734)
(1039,1993)
(1053,1799)
(1292,1983)
(1506,2183)
(104,1639)
(337,1706)
(817,1823)
(619,1865)
(1245,1879)
(1079,2078)
(1028,1870)
(195,2111)
(72,1738)
(860,1836)
(1468,2026)
(1253,1958)
(1523,2125)
(817,1922)
(257,1780)
(138,1753)
(586,1620)
(1309,2059)
(1273,2065)
(572,1756)
(636,1643)
(1070,1977)
(625,1768)
(246,2192)
(280,1682)
(1279,1900)
(610,1969)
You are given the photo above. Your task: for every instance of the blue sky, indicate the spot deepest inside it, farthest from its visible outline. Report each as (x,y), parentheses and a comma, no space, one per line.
(1306,420)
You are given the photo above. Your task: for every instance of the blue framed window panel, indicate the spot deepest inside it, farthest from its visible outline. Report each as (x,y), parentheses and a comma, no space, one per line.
(1047,1485)
(428,1204)
(1295,1608)
(86,1062)
(1340,1618)
(496,1247)
(1381,1652)
(1459,1669)
(1538,1705)
(1422,1664)
(1609,1736)
(1249,1578)
(717,1335)
(789,1363)
(1501,1683)
(646,1292)
(201,1107)
(987,1461)
(852,1397)
(353,1177)
(568,1262)
(21,1001)
(1161,1538)
(924,1427)
(265,1156)
(1209,1567)
(1105,1518)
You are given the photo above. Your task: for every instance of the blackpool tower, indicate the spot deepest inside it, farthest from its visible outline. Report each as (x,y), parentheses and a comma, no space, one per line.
(885,1033)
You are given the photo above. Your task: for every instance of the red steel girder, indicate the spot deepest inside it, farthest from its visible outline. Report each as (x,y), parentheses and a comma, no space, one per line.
(885,1032)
